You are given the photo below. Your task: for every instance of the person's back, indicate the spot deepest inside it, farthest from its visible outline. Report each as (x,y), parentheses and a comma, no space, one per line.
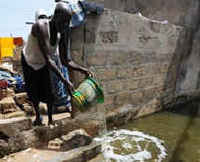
(32,52)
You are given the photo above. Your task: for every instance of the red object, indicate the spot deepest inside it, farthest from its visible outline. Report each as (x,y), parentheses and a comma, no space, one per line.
(18,41)
(3,84)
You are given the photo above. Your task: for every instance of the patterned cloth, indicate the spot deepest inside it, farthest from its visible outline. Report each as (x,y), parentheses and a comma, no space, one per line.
(6,76)
(61,96)
(44,85)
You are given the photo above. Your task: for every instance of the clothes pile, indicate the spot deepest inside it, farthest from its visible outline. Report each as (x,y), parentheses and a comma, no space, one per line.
(13,99)
(9,79)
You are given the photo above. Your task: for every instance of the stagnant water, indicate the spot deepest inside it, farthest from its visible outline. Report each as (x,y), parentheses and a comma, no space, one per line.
(168,136)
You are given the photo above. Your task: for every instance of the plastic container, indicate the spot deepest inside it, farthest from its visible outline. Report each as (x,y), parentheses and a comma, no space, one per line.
(88,94)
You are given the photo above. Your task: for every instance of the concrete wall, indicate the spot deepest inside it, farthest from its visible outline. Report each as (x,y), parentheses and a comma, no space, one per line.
(135,59)
(188,81)
(179,12)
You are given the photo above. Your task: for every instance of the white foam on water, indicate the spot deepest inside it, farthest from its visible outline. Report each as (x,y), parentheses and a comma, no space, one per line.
(127,146)
(137,136)
(139,156)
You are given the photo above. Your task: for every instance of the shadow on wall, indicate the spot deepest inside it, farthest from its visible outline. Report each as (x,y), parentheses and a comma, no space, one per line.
(184,70)
(189,69)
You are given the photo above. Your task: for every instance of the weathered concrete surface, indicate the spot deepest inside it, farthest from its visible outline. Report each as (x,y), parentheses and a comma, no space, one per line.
(72,140)
(82,154)
(179,12)
(187,84)
(75,139)
(11,137)
(18,134)
(135,59)
(8,105)
(11,127)
(189,70)
(14,115)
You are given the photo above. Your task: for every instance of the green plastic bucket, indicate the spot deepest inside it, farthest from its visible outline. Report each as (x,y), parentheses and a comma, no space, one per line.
(88,94)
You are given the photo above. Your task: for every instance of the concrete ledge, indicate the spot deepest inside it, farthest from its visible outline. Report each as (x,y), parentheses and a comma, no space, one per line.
(19,134)
(82,154)
(13,126)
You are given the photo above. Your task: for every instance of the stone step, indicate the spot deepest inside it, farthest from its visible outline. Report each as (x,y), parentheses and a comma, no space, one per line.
(82,154)
(72,140)
(8,105)
(20,134)
(14,115)
(11,127)
(8,92)
(21,98)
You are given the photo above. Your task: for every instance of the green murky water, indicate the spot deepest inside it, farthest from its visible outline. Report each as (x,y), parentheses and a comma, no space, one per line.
(178,129)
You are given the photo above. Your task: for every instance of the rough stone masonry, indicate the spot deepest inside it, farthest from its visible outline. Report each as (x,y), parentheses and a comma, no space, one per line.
(184,13)
(134,59)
